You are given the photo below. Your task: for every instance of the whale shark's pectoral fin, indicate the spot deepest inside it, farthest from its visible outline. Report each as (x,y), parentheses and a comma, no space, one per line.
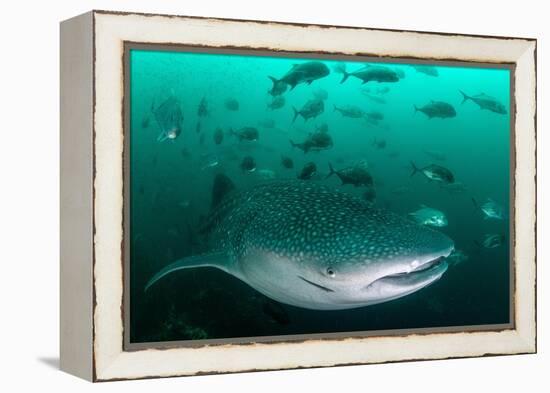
(218,260)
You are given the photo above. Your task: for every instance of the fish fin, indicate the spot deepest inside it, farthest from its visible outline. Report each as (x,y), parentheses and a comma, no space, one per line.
(478,246)
(292,86)
(464,97)
(221,187)
(309,82)
(335,107)
(274,81)
(162,137)
(414,169)
(218,260)
(345,76)
(331,171)
(275,311)
(415,109)
(341,69)
(476,205)
(296,113)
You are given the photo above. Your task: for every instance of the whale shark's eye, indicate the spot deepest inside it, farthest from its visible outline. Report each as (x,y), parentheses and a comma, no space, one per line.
(330,272)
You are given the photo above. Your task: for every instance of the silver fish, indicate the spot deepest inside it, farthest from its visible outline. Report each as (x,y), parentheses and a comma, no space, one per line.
(493,240)
(357,175)
(426,70)
(440,109)
(169,117)
(210,161)
(310,110)
(373,98)
(368,73)
(457,257)
(306,72)
(266,174)
(350,111)
(276,103)
(320,94)
(317,141)
(429,216)
(490,209)
(203,111)
(231,104)
(454,188)
(434,172)
(485,101)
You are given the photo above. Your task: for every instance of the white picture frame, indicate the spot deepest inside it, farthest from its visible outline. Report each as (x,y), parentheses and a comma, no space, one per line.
(92,195)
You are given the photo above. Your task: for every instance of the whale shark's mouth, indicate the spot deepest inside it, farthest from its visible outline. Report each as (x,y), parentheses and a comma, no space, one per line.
(425,266)
(423,275)
(323,288)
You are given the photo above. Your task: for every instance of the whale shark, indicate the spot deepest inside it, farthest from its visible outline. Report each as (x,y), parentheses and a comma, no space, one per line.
(312,246)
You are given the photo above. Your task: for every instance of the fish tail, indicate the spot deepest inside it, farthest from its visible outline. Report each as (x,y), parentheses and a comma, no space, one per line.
(465,97)
(296,113)
(274,81)
(341,69)
(345,76)
(162,137)
(331,171)
(414,169)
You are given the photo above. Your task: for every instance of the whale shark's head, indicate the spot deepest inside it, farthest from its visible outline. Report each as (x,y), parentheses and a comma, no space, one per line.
(387,266)
(320,249)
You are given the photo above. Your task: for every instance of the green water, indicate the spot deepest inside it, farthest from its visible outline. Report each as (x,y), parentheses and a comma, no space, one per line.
(171,185)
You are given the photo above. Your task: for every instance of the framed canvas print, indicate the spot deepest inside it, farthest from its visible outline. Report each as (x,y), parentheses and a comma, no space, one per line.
(245,195)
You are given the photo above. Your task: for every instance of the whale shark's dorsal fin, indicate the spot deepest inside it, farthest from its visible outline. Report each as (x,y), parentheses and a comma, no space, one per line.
(218,260)
(221,187)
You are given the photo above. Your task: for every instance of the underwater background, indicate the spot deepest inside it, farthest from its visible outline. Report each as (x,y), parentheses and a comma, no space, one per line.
(171,178)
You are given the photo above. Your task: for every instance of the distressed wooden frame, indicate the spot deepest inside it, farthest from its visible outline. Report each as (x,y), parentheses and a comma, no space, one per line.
(92,189)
